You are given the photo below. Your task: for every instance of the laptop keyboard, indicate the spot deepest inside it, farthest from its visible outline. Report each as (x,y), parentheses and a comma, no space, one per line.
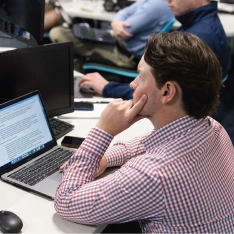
(60,128)
(43,167)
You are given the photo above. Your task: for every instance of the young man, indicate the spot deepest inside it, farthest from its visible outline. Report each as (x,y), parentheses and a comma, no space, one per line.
(198,17)
(179,178)
(131,28)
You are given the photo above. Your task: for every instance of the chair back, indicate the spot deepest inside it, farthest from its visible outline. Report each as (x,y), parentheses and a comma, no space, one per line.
(168,26)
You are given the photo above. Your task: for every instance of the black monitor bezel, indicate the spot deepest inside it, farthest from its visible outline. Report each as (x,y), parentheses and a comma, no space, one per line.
(27,15)
(54,46)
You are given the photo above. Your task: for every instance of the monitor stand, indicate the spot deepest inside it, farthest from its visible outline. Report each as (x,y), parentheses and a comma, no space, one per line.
(7,40)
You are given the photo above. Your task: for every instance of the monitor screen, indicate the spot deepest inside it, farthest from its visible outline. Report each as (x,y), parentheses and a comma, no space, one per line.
(47,68)
(21,23)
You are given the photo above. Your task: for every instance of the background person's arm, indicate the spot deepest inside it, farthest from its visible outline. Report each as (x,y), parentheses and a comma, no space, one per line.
(119,31)
(147,15)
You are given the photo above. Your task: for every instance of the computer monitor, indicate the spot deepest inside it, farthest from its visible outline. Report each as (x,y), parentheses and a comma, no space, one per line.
(47,68)
(21,23)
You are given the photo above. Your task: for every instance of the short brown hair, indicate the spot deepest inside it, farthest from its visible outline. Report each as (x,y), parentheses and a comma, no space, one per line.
(184,58)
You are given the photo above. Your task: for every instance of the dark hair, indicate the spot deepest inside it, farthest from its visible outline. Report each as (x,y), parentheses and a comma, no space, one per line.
(184,58)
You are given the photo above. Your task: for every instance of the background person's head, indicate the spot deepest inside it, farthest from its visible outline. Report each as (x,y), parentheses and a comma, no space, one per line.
(187,60)
(180,7)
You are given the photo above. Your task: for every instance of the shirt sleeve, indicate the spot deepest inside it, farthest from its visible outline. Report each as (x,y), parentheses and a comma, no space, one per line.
(127,194)
(117,90)
(144,13)
(121,152)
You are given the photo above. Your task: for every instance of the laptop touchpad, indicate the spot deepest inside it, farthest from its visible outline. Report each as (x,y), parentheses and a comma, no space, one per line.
(57,176)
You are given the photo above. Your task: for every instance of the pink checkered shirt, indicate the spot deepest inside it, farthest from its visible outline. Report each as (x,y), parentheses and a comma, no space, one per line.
(177,179)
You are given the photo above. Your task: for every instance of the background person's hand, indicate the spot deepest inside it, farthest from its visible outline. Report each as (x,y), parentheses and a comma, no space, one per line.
(119,30)
(94,81)
(120,115)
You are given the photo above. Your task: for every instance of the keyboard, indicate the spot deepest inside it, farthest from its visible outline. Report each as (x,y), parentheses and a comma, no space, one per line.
(43,167)
(59,127)
(93,34)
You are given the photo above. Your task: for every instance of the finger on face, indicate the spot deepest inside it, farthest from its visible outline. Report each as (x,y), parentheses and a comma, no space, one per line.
(139,105)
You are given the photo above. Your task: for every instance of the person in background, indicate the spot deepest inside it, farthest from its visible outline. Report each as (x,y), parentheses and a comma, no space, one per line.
(52,16)
(131,28)
(179,177)
(198,17)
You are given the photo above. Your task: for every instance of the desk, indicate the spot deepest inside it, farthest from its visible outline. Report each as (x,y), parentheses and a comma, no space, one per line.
(36,212)
(87,9)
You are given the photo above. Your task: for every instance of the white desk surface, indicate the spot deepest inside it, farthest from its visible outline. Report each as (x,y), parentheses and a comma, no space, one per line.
(37,213)
(227,21)
(89,9)
(94,10)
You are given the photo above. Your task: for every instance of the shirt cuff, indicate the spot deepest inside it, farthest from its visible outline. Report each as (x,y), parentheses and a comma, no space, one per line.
(115,155)
(97,141)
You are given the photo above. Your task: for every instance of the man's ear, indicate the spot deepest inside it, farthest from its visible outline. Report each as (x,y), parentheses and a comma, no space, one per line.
(169,92)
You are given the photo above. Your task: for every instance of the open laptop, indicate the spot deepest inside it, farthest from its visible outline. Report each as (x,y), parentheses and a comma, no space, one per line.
(84,32)
(29,155)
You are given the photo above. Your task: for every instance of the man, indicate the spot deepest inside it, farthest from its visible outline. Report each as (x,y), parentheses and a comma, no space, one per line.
(198,17)
(131,28)
(52,17)
(179,178)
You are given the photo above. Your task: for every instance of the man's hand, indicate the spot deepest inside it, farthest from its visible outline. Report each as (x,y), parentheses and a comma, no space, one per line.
(119,30)
(120,115)
(63,166)
(95,81)
(102,167)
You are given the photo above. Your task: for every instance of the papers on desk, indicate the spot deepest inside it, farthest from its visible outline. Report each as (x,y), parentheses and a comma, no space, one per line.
(98,105)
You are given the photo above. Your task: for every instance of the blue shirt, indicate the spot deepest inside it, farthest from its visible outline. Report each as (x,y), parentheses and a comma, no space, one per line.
(204,23)
(145,17)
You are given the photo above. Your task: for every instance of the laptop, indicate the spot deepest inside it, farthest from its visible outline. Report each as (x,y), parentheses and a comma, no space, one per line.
(29,155)
(84,32)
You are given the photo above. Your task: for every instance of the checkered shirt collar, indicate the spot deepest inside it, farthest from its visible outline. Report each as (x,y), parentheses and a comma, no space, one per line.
(169,131)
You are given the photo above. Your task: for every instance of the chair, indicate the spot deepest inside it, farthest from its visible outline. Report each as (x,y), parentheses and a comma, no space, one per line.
(224,79)
(120,71)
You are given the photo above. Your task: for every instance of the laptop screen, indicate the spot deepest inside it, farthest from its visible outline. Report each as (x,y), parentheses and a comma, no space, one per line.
(24,129)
